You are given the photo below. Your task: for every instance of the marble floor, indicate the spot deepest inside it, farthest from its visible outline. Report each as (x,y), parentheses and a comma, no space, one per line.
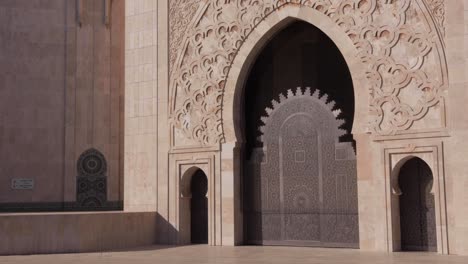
(244,255)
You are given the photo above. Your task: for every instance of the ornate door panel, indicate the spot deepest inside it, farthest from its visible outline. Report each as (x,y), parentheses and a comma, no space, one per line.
(299,175)
(417,208)
(300,188)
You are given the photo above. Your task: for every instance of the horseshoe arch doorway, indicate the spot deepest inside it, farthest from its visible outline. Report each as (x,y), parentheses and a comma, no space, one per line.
(299,183)
(417,207)
(199,208)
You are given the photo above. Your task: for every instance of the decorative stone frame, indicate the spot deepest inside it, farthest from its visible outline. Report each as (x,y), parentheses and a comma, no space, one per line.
(397,61)
(244,60)
(395,158)
(186,167)
(226,144)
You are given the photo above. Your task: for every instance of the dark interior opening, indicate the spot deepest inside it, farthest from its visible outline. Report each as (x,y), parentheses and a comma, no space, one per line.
(300,55)
(199,208)
(417,208)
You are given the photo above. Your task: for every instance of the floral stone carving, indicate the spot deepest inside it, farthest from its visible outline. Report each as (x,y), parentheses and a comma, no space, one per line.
(397,42)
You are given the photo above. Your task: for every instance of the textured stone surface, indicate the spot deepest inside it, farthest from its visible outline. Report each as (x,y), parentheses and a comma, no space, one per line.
(181,13)
(407,59)
(141,104)
(395,51)
(40,233)
(260,255)
(396,42)
(61,86)
(31,99)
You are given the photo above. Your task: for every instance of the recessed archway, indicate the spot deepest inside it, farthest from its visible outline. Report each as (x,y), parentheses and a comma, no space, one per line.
(417,207)
(194,207)
(299,178)
(233,99)
(231,81)
(199,208)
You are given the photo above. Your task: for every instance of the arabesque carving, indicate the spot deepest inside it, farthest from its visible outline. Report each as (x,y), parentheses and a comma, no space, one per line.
(181,13)
(396,40)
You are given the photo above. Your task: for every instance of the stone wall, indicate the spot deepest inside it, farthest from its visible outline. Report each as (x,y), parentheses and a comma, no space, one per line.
(75,232)
(141,104)
(185,64)
(456,147)
(32,99)
(61,94)
(408,62)
(146,111)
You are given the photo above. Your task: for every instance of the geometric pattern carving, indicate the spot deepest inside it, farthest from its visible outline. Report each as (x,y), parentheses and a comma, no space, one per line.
(302,195)
(181,13)
(92,179)
(398,43)
(316,97)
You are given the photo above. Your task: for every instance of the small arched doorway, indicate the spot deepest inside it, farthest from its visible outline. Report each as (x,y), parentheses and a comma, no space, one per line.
(199,208)
(417,207)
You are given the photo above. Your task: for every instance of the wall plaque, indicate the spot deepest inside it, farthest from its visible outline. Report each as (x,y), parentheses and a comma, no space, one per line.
(22,184)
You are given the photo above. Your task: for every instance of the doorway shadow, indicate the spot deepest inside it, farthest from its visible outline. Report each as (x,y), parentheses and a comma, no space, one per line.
(417,207)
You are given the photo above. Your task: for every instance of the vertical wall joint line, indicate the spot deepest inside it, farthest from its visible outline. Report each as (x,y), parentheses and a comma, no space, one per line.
(106,13)
(79,12)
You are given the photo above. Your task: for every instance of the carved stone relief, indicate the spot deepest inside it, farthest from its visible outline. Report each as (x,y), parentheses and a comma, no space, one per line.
(397,42)
(181,12)
(437,8)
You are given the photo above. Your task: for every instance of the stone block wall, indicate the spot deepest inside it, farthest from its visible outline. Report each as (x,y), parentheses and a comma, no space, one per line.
(147,185)
(32,99)
(61,93)
(35,233)
(456,147)
(140,105)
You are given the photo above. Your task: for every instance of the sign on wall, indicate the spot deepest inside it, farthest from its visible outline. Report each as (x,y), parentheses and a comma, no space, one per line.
(22,184)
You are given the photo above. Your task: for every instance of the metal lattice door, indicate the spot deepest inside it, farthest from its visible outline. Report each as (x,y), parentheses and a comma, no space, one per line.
(301,186)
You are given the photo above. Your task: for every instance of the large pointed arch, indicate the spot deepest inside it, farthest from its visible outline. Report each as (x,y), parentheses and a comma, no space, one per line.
(225,37)
(398,42)
(232,106)
(253,45)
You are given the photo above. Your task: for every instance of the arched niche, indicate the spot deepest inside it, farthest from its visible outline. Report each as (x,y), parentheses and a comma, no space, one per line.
(194,207)
(398,160)
(234,137)
(199,208)
(252,47)
(295,141)
(417,206)
(220,128)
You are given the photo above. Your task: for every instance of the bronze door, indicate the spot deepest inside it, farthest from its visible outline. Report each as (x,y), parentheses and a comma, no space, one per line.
(300,188)
(417,210)
(299,181)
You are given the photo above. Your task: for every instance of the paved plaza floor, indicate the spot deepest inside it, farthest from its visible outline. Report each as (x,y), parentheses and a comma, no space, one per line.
(244,255)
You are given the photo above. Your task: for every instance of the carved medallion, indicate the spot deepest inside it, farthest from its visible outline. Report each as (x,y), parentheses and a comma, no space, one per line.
(91,186)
